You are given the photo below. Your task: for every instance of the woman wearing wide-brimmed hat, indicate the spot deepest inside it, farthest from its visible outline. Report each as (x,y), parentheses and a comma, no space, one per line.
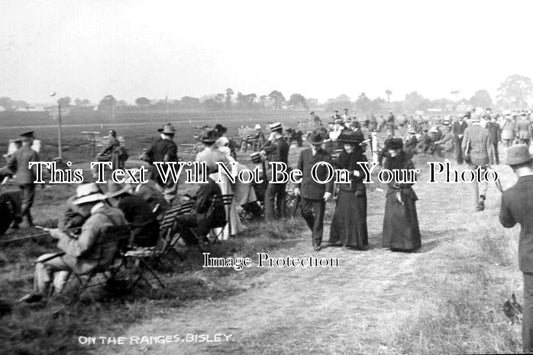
(348,227)
(400,225)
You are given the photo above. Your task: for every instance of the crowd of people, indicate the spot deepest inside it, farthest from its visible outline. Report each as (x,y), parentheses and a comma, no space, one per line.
(472,139)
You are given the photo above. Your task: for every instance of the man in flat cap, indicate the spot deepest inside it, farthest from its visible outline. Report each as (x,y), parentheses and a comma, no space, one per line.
(24,176)
(164,150)
(516,208)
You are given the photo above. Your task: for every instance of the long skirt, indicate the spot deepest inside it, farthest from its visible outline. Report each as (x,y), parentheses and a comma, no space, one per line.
(232,216)
(400,225)
(349,222)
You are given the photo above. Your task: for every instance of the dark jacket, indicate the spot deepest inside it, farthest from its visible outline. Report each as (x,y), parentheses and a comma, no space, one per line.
(277,151)
(143,222)
(309,188)
(208,214)
(517,207)
(350,163)
(410,146)
(494,131)
(162,150)
(459,128)
(19,165)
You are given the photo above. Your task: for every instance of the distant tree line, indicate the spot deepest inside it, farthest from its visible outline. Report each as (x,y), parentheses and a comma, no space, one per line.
(515,91)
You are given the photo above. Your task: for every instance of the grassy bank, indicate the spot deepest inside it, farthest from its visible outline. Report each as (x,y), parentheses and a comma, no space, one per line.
(55,327)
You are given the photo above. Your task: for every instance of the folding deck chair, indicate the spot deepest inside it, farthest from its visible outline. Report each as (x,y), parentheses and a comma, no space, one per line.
(226,200)
(111,247)
(141,258)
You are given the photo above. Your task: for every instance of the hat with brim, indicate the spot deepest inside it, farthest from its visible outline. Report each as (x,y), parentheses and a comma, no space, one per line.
(220,128)
(339,121)
(209,137)
(411,130)
(350,138)
(27,135)
(275,127)
(316,139)
(518,154)
(114,189)
(88,193)
(256,157)
(394,144)
(167,129)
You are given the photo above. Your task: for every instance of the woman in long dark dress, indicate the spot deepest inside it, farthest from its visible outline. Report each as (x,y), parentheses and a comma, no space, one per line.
(400,225)
(348,227)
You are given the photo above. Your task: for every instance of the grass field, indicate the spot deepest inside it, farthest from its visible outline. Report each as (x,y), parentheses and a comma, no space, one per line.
(137,129)
(447,298)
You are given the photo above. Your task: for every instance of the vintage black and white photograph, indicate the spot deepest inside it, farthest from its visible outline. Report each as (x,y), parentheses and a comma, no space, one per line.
(266,177)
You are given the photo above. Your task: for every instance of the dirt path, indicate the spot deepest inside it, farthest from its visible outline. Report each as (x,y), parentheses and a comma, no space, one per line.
(348,306)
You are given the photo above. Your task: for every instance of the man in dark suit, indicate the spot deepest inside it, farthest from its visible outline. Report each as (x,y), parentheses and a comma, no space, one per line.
(458,129)
(314,194)
(164,150)
(494,133)
(276,151)
(516,207)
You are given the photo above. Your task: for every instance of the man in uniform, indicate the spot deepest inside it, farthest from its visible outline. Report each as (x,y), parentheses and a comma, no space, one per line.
(164,150)
(314,194)
(276,151)
(25,177)
(516,208)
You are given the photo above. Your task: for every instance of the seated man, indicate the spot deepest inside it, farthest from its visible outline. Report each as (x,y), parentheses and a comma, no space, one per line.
(207,212)
(73,216)
(80,255)
(155,198)
(143,222)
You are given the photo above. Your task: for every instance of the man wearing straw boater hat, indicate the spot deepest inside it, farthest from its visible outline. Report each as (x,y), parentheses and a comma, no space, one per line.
(314,194)
(24,176)
(166,151)
(78,254)
(276,152)
(516,208)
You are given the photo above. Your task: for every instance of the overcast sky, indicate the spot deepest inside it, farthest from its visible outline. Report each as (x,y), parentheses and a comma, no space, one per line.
(155,48)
